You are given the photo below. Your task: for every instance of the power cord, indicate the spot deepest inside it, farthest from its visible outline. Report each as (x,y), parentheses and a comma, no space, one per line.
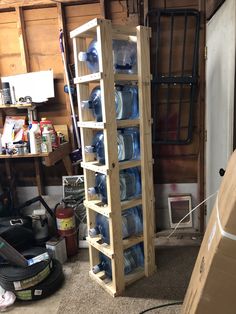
(160,306)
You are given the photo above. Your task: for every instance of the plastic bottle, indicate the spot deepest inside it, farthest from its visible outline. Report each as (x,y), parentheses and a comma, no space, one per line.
(124,56)
(130,185)
(126,102)
(48,123)
(133,258)
(127,143)
(35,138)
(131,224)
(46,140)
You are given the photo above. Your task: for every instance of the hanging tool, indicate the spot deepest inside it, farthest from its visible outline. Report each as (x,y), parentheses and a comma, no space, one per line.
(76,154)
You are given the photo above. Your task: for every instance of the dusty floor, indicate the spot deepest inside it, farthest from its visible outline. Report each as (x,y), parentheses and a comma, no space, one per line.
(80,294)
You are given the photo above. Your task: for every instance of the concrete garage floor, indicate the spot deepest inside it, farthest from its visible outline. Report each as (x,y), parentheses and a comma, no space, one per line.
(80,294)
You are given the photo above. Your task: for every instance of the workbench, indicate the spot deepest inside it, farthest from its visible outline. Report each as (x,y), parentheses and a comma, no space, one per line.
(47,159)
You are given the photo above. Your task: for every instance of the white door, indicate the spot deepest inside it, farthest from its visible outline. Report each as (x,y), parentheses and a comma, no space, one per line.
(220,75)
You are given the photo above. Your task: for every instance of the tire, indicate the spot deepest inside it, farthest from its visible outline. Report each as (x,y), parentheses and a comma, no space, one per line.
(47,287)
(14,278)
(21,238)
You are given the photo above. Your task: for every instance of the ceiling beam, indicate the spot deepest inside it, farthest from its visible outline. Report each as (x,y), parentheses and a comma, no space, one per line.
(10,4)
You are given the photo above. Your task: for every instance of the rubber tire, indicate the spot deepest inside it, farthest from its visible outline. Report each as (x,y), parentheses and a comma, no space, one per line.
(47,287)
(10,274)
(21,238)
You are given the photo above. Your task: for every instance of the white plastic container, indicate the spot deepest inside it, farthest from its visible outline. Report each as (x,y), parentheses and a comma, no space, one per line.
(47,139)
(35,138)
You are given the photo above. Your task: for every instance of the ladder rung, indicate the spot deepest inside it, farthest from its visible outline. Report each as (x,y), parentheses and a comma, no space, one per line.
(129,164)
(98,206)
(132,241)
(95,166)
(134,275)
(131,203)
(92,125)
(104,248)
(88,78)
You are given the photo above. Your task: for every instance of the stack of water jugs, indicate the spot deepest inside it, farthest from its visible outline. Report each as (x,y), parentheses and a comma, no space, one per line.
(128,146)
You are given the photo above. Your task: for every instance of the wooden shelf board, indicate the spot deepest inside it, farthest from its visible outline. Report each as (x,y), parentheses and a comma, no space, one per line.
(103,125)
(135,275)
(17,106)
(125,77)
(95,166)
(87,27)
(104,282)
(127,123)
(133,240)
(89,30)
(92,125)
(88,78)
(49,159)
(104,248)
(131,203)
(129,164)
(99,207)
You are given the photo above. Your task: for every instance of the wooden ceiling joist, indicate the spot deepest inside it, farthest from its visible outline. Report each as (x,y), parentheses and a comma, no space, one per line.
(10,4)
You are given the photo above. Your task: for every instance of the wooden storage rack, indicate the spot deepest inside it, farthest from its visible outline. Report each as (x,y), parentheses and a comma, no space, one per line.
(104,31)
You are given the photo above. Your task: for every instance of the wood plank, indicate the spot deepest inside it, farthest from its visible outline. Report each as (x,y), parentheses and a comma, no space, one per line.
(38,176)
(58,154)
(103,248)
(143,36)
(79,44)
(106,286)
(131,203)
(137,274)
(7,4)
(99,207)
(22,39)
(179,169)
(104,37)
(129,164)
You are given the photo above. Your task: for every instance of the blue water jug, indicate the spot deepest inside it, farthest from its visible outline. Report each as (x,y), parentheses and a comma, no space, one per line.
(128,145)
(130,185)
(133,258)
(124,56)
(131,224)
(126,102)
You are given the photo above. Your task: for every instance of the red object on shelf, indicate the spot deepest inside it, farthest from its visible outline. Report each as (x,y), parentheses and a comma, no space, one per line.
(66,227)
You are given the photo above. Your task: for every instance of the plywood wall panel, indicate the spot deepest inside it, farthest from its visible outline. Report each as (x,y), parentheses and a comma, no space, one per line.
(10,57)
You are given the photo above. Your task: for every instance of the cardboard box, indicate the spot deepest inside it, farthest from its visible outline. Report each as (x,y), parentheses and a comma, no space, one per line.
(212,288)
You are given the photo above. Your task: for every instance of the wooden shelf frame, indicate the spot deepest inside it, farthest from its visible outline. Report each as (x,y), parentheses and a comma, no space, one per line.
(105,32)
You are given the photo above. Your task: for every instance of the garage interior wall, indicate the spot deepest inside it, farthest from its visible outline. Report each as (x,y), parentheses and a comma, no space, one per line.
(29,42)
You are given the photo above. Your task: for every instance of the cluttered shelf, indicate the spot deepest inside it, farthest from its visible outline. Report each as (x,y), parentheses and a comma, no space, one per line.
(49,158)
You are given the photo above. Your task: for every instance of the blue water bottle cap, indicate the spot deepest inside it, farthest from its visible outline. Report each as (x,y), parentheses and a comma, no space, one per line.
(82,56)
(96,269)
(89,149)
(93,232)
(86,104)
(92,191)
